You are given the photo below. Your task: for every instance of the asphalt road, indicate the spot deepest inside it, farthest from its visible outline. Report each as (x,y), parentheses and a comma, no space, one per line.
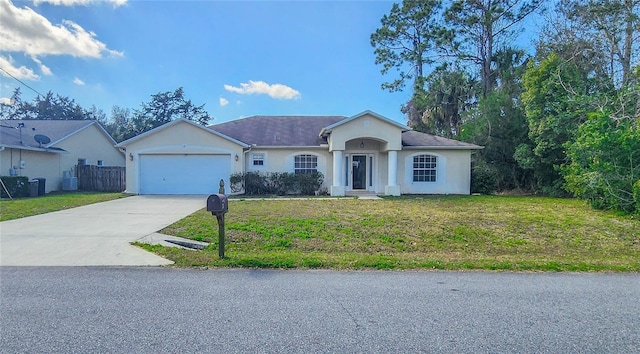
(160,310)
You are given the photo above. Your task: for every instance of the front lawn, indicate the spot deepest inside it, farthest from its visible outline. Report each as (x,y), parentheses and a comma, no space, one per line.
(23,207)
(454,232)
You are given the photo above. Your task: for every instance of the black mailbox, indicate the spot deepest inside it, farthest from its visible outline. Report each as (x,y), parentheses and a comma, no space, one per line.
(217,204)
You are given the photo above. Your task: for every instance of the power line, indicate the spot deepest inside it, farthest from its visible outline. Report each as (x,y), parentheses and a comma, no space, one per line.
(22,82)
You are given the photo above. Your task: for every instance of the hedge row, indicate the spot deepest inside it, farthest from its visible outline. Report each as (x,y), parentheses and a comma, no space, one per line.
(18,186)
(277,183)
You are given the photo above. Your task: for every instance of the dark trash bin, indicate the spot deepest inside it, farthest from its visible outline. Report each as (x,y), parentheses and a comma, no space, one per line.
(41,182)
(33,188)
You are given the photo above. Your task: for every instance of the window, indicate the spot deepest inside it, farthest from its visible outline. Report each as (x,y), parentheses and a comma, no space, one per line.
(100,163)
(424,168)
(258,159)
(305,164)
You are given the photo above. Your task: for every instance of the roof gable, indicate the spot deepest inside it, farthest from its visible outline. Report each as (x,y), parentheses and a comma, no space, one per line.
(329,128)
(176,122)
(278,131)
(57,130)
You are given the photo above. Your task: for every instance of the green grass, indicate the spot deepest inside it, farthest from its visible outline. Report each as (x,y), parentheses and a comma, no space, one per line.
(454,232)
(20,208)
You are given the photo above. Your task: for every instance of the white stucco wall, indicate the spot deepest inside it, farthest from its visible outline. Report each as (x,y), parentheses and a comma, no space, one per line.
(282,160)
(453,176)
(36,164)
(180,138)
(453,172)
(93,145)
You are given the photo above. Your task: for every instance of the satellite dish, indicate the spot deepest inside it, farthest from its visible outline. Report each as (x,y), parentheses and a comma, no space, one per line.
(41,139)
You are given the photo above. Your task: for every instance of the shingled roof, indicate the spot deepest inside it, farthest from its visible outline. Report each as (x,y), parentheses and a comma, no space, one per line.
(417,139)
(11,136)
(304,130)
(278,130)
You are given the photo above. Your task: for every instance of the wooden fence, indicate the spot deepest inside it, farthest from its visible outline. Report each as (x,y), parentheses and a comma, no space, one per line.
(101,178)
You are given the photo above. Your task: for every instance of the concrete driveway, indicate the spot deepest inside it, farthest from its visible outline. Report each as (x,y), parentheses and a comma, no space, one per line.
(93,235)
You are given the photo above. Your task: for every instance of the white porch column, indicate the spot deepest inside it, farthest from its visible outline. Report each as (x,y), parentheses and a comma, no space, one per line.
(337,187)
(392,187)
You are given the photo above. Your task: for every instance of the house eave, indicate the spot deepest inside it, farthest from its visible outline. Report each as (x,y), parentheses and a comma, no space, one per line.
(308,147)
(38,149)
(474,147)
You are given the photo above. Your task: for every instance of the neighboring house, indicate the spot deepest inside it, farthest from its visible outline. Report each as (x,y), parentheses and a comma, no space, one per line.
(366,152)
(66,144)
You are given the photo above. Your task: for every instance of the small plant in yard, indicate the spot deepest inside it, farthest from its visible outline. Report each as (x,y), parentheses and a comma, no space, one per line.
(455,232)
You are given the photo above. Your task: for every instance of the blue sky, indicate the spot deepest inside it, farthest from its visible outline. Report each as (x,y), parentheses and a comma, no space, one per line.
(239,58)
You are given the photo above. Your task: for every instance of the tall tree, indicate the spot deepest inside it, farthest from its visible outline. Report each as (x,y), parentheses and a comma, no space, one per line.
(499,124)
(120,125)
(447,93)
(612,27)
(555,104)
(406,39)
(483,26)
(48,107)
(13,108)
(165,107)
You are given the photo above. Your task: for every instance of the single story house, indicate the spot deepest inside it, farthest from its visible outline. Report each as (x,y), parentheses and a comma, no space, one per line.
(364,153)
(51,149)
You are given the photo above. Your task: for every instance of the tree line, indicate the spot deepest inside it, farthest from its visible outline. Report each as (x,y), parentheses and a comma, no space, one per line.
(560,121)
(123,124)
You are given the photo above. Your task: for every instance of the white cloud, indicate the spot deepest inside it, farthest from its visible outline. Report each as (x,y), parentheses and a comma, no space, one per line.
(6,101)
(25,31)
(223,102)
(45,69)
(278,91)
(115,3)
(6,63)
(78,82)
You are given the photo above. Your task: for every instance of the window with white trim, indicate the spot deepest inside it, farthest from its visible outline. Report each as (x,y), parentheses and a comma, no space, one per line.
(424,168)
(305,164)
(258,159)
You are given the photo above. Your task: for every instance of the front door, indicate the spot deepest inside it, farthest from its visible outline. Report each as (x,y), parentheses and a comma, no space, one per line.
(359,172)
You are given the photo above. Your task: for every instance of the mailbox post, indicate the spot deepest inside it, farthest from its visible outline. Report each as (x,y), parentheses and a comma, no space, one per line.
(217,204)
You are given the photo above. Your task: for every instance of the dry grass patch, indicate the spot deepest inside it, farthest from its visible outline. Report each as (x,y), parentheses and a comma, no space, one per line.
(457,232)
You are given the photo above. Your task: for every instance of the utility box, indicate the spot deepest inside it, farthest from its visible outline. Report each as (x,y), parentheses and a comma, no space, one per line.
(70,184)
(217,204)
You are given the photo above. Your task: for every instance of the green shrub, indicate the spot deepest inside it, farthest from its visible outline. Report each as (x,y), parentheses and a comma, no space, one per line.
(603,166)
(310,183)
(276,183)
(483,180)
(18,186)
(236,182)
